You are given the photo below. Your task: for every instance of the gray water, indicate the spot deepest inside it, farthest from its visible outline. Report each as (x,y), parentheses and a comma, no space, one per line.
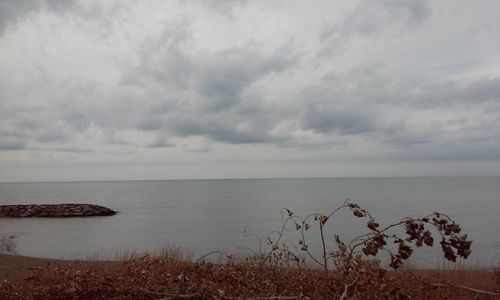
(205,215)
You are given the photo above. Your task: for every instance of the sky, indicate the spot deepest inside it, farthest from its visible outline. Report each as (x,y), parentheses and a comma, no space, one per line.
(125,90)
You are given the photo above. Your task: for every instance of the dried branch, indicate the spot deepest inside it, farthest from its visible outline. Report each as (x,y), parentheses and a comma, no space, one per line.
(478,291)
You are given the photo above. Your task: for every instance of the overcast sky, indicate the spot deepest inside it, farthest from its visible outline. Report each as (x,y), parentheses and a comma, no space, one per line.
(112,90)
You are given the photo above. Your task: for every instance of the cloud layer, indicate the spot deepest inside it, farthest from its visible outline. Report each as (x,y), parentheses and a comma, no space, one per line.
(208,83)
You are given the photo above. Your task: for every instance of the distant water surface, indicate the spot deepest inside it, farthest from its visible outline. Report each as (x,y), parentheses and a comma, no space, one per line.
(204,215)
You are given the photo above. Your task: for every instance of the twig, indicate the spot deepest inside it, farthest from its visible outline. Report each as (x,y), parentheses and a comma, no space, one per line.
(465,288)
(277,298)
(181,296)
(15,294)
(325,260)
(210,253)
(346,288)
(198,296)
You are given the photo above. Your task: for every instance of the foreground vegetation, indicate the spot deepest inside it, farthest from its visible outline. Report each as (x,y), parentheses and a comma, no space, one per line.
(347,270)
(164,277)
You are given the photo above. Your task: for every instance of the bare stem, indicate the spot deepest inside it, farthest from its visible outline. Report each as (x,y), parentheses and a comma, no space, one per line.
(325,260)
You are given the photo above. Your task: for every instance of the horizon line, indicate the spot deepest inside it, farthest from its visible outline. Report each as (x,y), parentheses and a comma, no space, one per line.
(257,178)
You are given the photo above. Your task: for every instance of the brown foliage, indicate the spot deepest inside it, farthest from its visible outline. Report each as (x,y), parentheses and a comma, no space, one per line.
(415,232)
(149,277)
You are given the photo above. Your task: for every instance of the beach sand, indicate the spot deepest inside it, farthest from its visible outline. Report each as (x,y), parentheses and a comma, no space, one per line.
(16,267)
(13,267)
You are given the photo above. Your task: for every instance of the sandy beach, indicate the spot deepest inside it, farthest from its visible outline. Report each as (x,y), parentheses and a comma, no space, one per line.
(16,267)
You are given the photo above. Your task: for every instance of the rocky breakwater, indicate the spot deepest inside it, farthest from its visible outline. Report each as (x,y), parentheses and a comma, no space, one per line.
(54,211)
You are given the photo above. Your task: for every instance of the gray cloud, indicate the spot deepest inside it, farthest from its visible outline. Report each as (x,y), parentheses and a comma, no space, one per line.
(483,92)
(159,143)
(225,7)
(51,135)
(32,119)
(74,149)
(348,104)
(337,106)
(226,128)
(20,133)
(12,142)
(13,11)
(212,87)
(164,59)
(78,121)
(357,102)
(150,123)
(219,79)
(330,120)
(225,76)
(370,17)
(176,81)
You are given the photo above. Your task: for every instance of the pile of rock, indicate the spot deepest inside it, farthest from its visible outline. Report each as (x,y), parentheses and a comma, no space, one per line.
(54,211)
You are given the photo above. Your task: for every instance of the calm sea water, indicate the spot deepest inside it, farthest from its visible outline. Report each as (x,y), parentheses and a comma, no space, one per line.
(205,215)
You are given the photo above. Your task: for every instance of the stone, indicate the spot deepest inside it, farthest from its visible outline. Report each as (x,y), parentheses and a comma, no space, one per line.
(54,210)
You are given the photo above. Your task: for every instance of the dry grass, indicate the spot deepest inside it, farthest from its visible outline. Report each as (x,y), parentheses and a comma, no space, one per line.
(168,251)
(479,279)
(155,277)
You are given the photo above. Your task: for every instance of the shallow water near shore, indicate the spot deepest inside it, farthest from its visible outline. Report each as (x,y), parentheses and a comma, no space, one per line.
(205,215)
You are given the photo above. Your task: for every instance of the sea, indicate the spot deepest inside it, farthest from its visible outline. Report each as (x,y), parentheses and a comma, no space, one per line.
(237,215)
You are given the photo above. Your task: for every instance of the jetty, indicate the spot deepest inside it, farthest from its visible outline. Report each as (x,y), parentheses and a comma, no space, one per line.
(67,210)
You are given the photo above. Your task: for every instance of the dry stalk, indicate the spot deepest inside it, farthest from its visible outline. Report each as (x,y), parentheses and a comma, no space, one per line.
(477,291)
